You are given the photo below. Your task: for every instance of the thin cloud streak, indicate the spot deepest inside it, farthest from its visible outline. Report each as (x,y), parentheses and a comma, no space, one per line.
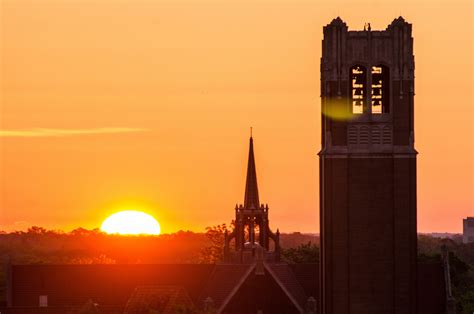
(66,132)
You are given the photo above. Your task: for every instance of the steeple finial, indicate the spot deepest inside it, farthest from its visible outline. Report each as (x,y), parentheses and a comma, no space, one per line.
(251,189)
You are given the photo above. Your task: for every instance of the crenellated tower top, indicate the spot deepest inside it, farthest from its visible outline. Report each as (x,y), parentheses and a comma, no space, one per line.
(367,89)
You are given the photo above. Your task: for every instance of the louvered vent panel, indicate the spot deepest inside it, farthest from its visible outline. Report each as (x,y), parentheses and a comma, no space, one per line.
(375,136)
(364,135)
(387,135)
(352,135)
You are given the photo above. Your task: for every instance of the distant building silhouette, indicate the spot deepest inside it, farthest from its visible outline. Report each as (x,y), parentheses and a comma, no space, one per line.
(468,230)
(368,170)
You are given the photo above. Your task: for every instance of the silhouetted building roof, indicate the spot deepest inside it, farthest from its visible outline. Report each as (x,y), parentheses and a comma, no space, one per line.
(107,285)
(228,276)
(233,288)
(285,277)
(308,277)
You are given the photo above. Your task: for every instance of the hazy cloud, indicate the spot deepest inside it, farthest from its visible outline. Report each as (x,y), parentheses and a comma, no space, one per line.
(66,132)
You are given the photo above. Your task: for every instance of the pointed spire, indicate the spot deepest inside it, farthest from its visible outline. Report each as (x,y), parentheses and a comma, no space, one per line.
(251,189)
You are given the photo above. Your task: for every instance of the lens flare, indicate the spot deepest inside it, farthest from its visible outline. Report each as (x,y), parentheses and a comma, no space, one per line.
(337,109)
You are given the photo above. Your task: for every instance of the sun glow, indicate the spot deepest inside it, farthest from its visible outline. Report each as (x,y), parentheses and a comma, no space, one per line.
(130,222)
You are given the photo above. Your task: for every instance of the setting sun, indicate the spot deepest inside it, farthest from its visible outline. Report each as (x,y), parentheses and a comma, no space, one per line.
(131,222)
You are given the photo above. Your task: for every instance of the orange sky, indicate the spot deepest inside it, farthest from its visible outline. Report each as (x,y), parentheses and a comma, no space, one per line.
(147,105)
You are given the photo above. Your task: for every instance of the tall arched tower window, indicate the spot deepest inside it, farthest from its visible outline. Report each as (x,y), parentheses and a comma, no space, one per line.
(358,89)
(380,89)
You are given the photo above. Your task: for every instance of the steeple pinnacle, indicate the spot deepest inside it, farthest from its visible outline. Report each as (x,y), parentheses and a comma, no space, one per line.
(251,200)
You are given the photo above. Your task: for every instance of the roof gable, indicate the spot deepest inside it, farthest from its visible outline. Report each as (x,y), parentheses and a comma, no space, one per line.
(265,291)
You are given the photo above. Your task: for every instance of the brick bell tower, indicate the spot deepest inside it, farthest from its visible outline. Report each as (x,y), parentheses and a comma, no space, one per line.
(368,170)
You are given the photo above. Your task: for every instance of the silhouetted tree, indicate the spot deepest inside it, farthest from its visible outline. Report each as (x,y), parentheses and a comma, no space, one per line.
(213,251)
(304,253)
(462,280)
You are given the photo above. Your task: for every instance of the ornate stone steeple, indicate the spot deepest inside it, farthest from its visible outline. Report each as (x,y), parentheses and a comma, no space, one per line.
(248,217)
